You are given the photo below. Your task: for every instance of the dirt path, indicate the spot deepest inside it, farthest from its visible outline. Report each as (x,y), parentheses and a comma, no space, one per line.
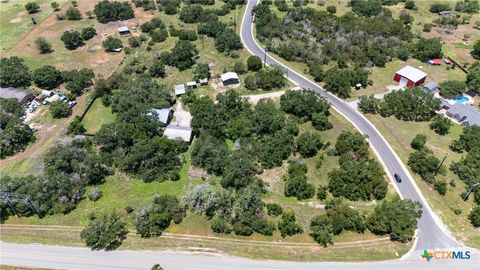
(273,95)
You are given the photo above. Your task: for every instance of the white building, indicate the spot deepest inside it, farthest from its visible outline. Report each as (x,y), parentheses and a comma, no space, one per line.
(179,89)
(229,78)
(175,132)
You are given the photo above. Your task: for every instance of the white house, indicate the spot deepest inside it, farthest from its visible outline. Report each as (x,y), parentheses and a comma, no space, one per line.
(175,132)
(179,89)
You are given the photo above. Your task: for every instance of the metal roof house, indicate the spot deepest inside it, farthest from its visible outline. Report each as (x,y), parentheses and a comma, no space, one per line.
(123,30)
(410,77)
(179,89)
(23,96)
(465,114)
(430,87)
(175,132)
(163,115)
(229,78)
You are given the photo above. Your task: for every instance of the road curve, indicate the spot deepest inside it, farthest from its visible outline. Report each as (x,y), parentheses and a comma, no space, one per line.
(431,232)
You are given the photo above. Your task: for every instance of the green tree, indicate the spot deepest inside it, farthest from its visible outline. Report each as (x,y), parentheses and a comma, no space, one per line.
(474,216)
(59,109)
(367,8)
(157,69)
(201,71)
(338,82)
(153,221)
(227,41)
(182,56)
(441,125)
(287,225)
(72,39)
(76,126)
(441,187)
(424,163)
(106,231)
(473,78)
(88,32)
(14,73)
(368,104)
(468,139)
(351,143)
(303,104)
(322,193)
(43,45)
(106,11)
(55,6)
(111,44)
(254,63)
(395,217)
(320,230)
(210,153)
(410,4)
(452,88)
(427,48)
(308,144)
(47,77)
(32,7)
(332,9)
(320,122)
(274,209)
(15,134)
(73,14)
(476,50)
(419,141)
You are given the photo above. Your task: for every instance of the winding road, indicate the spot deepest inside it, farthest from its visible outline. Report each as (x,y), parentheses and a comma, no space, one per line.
(431,234)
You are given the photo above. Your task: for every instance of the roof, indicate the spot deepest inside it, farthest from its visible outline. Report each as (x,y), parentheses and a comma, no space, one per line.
(52,98)
(228,76)
(411,73)
(204,80)
(12,92)
(465,113)
(192,83)
(431,86)
(436,61)
(176,132)
(123,29)
(179,89)
(163,115)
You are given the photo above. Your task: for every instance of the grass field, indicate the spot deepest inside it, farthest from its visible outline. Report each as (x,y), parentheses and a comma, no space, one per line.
(399,134)
(97,116)
(15,20)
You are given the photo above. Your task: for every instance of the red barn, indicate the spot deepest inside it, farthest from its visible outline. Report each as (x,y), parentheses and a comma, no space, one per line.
(410,77)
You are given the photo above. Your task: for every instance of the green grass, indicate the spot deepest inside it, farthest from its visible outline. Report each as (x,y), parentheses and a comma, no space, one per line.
(15,20)
(97,116)
(399,134)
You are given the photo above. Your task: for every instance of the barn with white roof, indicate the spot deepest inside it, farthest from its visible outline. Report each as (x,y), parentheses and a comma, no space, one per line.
(410,77)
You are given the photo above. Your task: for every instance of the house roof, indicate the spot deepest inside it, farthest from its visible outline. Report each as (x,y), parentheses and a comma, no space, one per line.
(11,92)
(411,73)
(436,61)
(52,98)
(123,29)
(192,83)
(163,115)
(431,86)
(179,89)
(204,80)
(465,113)
(228,76)
(176,132)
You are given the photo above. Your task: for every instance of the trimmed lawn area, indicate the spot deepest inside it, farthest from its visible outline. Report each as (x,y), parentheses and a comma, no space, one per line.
(97,116)
(399,134)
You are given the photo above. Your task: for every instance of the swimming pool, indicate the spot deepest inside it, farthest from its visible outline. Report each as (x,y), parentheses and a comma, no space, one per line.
(461,99)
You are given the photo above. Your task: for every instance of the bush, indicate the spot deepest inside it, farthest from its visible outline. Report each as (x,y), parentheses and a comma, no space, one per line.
(274,209)
(440,6)
(129,209)
(72,39)
(239,67)
(419,141)
(188,35)
(32,7)
(76,126)
(427,27)
(47,77)
(154,220)
(43,45)
(410,4)
(106,11)
(287,225)
(474,216)
(426,49)
(88,33)
(104,232)
(219,225)
(457,211)
(441,187)
(95,194)
(55,6)
(308,144)
(14,73)
(332,9)
(322,193)
(452,88)
(59,109)
(111,44)
(476,50)
(242,229)
(254,63)
(441,125)
(320,122)
(73,14)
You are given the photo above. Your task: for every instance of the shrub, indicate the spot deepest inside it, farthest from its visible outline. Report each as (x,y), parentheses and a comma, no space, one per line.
(287,225)
(43,45)
(219,225)
(111,44)
(452,88)
(32,7)
(474,216)
(104,232)
(441,125)
(322,193)
(95,194)
(106,11)
(59,109)
(410,4)
(47,77)
(73,14)
(72,39)
(88,33)
(274,209)
(419,141)
(76,126)
(332,9)
(441,187)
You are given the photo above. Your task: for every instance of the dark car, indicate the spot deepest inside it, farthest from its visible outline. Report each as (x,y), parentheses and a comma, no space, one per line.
(397,178)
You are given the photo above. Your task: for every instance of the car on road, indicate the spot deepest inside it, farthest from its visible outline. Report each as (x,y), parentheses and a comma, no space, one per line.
(397,178)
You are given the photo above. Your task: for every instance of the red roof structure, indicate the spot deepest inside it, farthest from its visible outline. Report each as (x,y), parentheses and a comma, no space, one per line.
(410,77)
(435,61)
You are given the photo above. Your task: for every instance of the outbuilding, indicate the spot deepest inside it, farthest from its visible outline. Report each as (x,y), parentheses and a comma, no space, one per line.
(163,115)
(229,78)
(430,87)
(179,89)
(176,132)
(191,85)
(123,30)
(435,62)
(410,77)
(53,98)
(23,96)
(47,93)
(203,81)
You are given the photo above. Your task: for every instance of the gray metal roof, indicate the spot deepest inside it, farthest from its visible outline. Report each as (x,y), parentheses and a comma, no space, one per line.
(175,132)
(179,89)
(163,115)
(12,92)
(431,86)
(411,73)
(466,114)
(123,29)
(228,76)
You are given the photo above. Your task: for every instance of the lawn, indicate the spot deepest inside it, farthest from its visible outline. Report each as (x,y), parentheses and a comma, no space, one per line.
(97,116)
(15,20)
(399,134)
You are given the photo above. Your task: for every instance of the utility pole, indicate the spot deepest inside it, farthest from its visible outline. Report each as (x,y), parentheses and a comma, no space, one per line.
(29,202)
(471,190)
(441,163)
(6,199)
(265,57)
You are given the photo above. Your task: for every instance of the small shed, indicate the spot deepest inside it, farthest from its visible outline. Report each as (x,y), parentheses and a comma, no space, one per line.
(23,96)
(176,132)
(435,62)
(47,93)
(179,89)
(123,30)
(203,81)
(358,86)
(229,78)
(430,87)
(191,85)
(52,98)
(410,77)
(163,115)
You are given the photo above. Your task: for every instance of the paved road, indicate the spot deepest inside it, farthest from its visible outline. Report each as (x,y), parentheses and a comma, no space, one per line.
(82,258)
(431,234)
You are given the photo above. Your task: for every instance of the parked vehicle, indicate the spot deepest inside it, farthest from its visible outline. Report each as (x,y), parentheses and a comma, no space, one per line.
(397,178)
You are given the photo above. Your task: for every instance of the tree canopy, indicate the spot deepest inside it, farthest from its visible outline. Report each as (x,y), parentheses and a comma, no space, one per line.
(107,231)
(107,11)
